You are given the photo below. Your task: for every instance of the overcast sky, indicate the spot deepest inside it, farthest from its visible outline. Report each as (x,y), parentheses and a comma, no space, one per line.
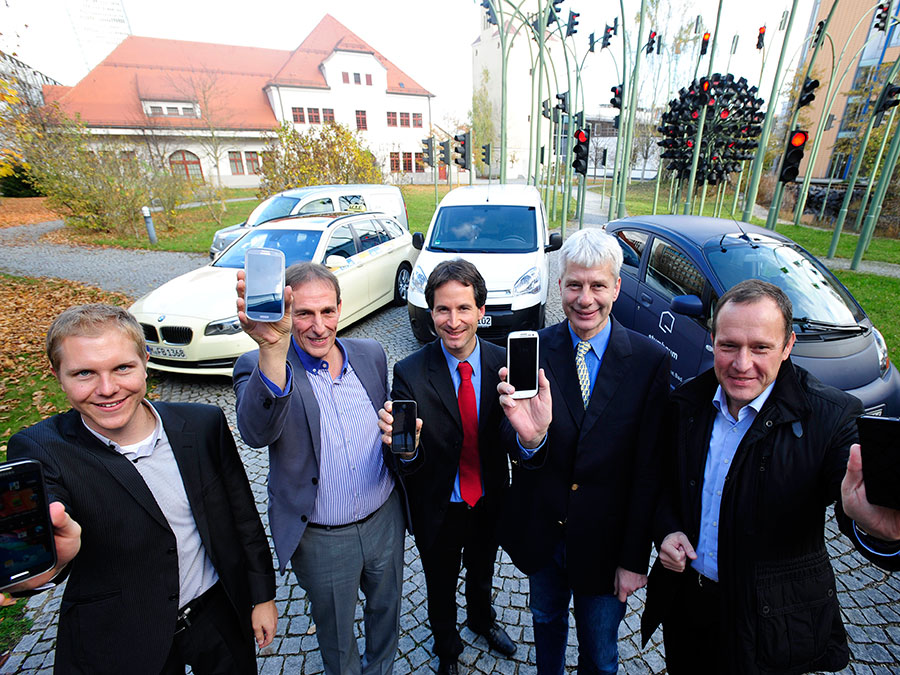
(429,39)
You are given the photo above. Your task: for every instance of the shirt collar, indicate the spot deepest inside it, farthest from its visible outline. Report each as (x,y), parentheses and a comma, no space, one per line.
(598,342)
(137,450)
(720,401)
(474,359)
(312,364)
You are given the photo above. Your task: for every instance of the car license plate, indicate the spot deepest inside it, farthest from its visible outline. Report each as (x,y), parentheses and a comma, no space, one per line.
(166,352)
(485,321)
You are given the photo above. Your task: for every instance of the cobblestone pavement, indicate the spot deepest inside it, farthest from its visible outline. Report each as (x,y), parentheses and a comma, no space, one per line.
(868,596)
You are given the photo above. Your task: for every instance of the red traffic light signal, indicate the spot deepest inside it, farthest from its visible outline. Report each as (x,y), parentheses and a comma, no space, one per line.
(760,40)
(799,138)
(704,45)
(580,151)
(790,166)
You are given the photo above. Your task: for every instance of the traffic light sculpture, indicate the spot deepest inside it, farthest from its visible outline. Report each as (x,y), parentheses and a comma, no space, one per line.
(704,45)
(572,23)
(761,38)
(428,151)
(463,149)
(651,41)
(563,101)
(489,10)
(806,93)
(445,152)
(790,166)
(582,145)
(616,100)
(486,155)
(881,16)
(607,34)
(887,99)
(546,108)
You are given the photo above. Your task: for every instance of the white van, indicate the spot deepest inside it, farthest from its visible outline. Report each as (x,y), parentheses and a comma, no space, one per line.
(502,230)
(317,199)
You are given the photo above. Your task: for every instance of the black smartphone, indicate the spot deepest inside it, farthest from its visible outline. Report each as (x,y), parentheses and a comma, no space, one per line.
(879,439)
(264,268)
(26,534)
(522,362)
(403,430)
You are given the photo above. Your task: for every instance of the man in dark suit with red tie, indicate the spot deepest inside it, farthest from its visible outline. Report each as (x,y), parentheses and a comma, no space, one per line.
(458,475)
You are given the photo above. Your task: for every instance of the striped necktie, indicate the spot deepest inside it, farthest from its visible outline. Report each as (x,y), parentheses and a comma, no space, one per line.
(584,381)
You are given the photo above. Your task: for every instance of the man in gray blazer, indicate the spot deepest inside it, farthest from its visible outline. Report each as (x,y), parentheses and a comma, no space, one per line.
(333,507)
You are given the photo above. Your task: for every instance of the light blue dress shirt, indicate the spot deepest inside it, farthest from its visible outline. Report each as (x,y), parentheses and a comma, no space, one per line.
(453,364)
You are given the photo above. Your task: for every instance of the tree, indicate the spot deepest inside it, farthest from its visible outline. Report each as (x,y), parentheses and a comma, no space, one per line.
(482,123)
(324,154)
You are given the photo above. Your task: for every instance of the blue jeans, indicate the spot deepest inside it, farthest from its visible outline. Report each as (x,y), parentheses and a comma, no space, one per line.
(597,619)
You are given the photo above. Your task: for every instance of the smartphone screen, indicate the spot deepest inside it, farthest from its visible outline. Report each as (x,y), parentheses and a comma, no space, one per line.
(264,268)
(26,535)
(522,359)
(403,430)
(879,439)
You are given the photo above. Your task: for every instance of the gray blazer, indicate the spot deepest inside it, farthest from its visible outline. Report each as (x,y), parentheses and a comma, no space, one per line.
(289,425)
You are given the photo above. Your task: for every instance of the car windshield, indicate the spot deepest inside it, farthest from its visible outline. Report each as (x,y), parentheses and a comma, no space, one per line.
(485,228)
(814,293)
(271,208)
(297,246)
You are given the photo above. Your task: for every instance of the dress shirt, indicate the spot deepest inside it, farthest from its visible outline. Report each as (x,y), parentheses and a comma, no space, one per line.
(154,460)
(474,360)
(727,434)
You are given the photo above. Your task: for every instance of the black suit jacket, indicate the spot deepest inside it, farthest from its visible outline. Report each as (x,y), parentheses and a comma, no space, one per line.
(119,608)
(424,378)
(594,483)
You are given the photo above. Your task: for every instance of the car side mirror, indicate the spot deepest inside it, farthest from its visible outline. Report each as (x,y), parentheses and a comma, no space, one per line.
(689,305)
(555,243)
(418,241)
(243,224)
(335,261)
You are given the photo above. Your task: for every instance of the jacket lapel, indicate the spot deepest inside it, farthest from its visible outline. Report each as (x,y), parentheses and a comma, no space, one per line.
(489,395)
(613,369)
(439,379)
(560,360)
(303,389)
(367,374)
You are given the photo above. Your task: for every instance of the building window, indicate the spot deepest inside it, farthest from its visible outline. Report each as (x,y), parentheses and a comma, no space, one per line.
(328,114)
(395,162)
(298,115)
(237,164)
(188,112)
(417,120)
(404,119)
(408,161)
(420,162)
(345,77)
(312,114)
(252,160)
(156,110)
(392,119)
(186,163)
(172,110)
(368,80)
(361,120)
(356,79)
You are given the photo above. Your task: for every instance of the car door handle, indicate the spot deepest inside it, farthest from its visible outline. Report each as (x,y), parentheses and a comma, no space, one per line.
(646,300)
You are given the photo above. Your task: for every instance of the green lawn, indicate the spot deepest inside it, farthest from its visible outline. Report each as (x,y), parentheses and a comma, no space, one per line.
(877,295)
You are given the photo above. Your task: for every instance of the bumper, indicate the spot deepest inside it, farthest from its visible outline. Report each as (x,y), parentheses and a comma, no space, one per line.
(503,321)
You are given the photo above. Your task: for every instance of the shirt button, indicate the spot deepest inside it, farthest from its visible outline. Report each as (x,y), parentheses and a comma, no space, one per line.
(173,596)
(715,523)
(719,492)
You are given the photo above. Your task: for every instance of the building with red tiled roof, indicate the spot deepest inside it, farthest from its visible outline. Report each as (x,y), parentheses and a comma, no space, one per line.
(207,109)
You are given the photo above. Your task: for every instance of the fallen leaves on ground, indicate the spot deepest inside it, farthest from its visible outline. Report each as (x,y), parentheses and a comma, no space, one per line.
(24,211)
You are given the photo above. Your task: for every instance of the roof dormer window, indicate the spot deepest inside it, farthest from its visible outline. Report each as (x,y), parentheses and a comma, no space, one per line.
(170,109)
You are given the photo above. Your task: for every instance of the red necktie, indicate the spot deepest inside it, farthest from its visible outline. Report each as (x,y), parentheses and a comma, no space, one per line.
(469,462)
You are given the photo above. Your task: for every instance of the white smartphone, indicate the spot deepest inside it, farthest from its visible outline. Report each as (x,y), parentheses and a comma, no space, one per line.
(522,362)
(264,269)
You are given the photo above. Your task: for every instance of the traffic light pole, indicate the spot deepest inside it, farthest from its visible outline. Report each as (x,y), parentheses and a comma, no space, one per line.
(632,105)
(869,183)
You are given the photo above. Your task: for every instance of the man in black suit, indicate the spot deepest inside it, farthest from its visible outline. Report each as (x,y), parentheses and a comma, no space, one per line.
(458,475)
(174,567)
(585,466)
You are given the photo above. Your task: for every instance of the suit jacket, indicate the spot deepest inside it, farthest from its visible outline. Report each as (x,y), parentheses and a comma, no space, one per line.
(119,608)
(594,482)
(424,378)
(289,425)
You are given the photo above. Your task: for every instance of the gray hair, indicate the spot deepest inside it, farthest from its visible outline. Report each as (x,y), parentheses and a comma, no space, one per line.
(591,248)
(304,272)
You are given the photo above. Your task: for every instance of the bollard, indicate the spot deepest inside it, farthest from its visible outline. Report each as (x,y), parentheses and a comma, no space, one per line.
(148,221)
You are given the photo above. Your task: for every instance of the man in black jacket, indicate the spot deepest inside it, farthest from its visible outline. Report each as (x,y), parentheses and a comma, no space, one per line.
(757,449)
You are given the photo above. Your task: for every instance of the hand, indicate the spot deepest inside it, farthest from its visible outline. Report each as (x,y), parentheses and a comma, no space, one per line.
(264,618)
(264,333)
(66,537)
(385,423)
(530,417)
(675,550)
(627,582)
(879,521)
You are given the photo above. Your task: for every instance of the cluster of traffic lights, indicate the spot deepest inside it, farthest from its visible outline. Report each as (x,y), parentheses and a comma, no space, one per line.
(462,149)
(731,129)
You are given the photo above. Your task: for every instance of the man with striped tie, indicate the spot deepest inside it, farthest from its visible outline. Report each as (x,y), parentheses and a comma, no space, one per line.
(586,470)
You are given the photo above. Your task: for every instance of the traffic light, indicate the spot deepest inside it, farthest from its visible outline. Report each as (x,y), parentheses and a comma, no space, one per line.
(806,93)
(820,30)
(616,100)
(486,154)
(546,108)
(428,151)
(573,21)
(704,45)
(582,143)
(651,41)
(603,157)
(445,152)
(761,38)
(592,42)
(790,166)
(553,14)
(563,99)
(887,99)
(607,34)
(881,16)
(489,9)
(462,148)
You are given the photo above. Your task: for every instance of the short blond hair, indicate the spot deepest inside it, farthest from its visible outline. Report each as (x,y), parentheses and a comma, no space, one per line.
(92,320)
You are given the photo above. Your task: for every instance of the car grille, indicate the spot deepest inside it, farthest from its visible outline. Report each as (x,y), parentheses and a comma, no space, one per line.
(150,334)
(176,335)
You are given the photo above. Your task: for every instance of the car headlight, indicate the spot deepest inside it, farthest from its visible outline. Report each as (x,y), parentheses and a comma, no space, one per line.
(884,361)
(228,326)
(528,283)
(418,280)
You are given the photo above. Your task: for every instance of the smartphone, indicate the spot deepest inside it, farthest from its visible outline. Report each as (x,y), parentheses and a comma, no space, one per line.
(879,438)
(522,362)
(26,534)
(264,269)
(403,430)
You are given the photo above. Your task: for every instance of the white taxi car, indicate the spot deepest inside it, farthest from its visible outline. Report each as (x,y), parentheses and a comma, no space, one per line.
(190,323)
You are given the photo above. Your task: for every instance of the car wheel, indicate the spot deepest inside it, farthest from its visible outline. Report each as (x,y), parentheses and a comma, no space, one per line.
(401,284)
